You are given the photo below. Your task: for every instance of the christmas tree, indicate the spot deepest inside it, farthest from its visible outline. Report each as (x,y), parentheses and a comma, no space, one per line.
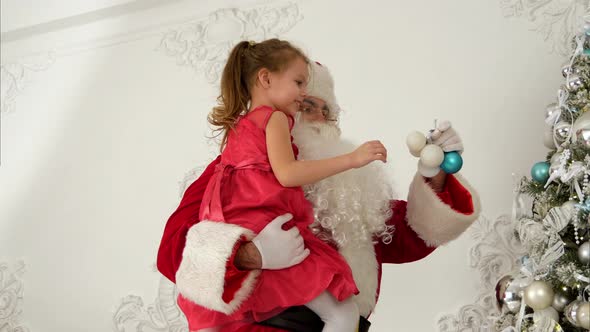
(550,291)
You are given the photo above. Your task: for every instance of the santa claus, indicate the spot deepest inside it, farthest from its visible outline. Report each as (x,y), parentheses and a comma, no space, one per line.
(216,265)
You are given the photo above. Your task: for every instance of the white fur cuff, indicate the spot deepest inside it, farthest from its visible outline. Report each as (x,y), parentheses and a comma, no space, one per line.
(434,221)
(201,274)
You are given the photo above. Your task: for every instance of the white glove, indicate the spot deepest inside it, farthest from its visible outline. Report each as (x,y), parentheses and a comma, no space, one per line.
(447,138)
(278,248)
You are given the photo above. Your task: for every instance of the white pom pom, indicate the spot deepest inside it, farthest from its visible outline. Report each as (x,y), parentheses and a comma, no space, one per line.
(427,172)
(416,142)
(432,155)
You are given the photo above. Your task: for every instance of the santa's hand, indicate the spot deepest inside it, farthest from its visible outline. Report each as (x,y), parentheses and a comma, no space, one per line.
(280,249)
(447,138)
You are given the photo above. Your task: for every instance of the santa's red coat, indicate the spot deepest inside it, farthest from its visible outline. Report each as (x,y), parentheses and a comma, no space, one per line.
(424,222)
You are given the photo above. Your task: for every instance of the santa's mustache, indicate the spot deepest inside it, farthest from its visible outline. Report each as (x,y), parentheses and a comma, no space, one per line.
(304,130)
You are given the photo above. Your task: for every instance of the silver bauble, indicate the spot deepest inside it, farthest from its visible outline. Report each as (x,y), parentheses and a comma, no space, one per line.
(561,300)
(584,253)
(583,137)
(562,131)
(507,294)
(570,312)
(583,315)
(566,70)
(538,295)
(581,128)
(551,109)
(574,82)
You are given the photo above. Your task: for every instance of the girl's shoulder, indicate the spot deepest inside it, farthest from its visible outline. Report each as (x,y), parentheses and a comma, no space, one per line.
(261,115)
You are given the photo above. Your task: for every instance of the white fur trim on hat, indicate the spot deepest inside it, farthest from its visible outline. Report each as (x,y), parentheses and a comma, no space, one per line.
(201,274)
(321,85)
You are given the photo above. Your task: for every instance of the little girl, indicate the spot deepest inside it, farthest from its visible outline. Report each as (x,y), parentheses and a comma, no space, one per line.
(260,178)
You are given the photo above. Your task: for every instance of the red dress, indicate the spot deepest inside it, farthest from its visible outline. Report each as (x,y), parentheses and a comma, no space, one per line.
(244,191)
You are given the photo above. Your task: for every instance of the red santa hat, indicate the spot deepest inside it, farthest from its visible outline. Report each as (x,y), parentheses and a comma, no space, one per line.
(321,85)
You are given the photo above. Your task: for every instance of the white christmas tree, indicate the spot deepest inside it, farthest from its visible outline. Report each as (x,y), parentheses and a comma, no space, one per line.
(550,290)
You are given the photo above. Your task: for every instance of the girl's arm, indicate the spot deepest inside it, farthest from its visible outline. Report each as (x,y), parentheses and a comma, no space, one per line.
(293,173)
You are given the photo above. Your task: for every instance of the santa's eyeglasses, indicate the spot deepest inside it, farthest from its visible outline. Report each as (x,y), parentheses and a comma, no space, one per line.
(310,107)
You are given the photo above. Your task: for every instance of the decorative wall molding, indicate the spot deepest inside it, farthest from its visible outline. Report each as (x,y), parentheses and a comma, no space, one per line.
(556,20)
(16,75)
(11,297)
(162,316)
(205,44)
(495,254)
(201,43)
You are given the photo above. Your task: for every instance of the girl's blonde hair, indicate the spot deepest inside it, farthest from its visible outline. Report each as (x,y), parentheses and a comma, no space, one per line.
(239,76)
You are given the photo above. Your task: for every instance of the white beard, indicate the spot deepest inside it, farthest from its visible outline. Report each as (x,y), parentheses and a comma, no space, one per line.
(350,208)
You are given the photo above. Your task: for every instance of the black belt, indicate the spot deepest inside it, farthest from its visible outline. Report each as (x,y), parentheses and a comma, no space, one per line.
(303,319)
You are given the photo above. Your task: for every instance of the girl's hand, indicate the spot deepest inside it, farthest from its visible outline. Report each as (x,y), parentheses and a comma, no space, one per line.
(368,152)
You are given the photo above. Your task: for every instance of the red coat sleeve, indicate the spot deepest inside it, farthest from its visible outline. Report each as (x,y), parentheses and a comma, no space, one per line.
(407,245)
(177,226)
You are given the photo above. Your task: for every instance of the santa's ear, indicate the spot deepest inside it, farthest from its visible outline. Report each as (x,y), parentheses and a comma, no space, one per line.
(263,78)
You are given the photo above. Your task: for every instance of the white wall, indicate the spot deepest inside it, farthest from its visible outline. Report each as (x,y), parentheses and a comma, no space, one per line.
(101,122)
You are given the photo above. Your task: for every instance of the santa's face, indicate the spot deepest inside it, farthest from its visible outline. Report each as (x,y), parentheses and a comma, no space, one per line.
(312,122)
(313,109)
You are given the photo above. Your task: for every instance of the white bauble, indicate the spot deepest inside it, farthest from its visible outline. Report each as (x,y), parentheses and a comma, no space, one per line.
(427,172)
(432,156)
(547,312)
(582,122)
(415,142)
(538,295)
(583,315)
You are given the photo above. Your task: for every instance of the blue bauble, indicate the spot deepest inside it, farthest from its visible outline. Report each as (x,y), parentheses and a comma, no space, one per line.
(452,162)
(540,172)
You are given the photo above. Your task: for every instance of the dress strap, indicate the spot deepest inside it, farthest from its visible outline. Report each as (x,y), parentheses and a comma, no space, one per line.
(289,117)
(261,115)
(267,117)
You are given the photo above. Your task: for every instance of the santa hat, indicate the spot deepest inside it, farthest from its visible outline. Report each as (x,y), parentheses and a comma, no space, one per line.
(321,85)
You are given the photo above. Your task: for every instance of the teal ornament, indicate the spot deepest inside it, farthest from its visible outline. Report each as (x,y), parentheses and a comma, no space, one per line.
(540,172)
(587,52)
(452,162)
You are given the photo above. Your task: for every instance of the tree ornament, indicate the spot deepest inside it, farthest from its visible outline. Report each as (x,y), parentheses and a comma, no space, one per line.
(584,253)
(452,162)
(508,294)
(583,315)
(540,172)
(538,295)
